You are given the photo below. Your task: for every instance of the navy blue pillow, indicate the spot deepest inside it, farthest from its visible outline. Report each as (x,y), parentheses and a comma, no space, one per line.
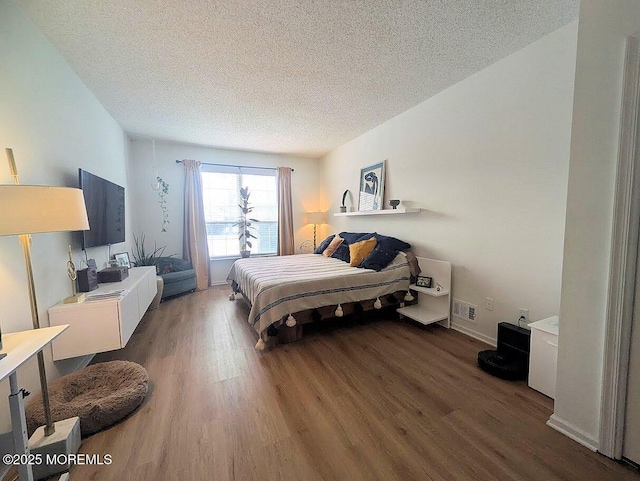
(342,253)
(379,258)
(352,237)
(324,244)
(388,241)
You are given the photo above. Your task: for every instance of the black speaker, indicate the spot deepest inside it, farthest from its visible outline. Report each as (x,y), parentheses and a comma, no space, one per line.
(511,359)
(87,280)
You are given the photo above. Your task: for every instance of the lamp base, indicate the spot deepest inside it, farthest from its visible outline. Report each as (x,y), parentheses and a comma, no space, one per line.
(75,299)
(57,447)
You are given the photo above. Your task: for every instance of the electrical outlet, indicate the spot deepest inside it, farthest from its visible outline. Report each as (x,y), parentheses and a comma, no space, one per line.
(524,313)
(489,304)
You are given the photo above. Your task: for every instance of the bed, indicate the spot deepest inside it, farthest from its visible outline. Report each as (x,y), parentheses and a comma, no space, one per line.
(283,290)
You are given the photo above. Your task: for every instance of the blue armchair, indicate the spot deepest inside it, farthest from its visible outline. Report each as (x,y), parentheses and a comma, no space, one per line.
(178,276)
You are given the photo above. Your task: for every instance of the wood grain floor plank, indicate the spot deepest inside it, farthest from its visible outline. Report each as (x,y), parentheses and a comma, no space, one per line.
(381,400)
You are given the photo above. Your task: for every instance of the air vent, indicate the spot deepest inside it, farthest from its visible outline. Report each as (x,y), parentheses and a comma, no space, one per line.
(464,310)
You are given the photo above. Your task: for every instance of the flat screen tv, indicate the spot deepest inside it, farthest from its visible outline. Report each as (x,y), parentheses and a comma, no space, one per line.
(105,209)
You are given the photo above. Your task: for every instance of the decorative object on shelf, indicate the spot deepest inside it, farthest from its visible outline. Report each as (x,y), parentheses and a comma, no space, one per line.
(394,203)
(39,209)
(343,207)
(112,274)
(142,257)
(73,276)
(123,259)
(87,279)
(424,281)
(315,218)
(371,187)
(161,187)
(244,223)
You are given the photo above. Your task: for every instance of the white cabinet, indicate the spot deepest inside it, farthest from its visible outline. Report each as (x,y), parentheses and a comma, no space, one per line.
(104,325)
(433,305)
(543,358)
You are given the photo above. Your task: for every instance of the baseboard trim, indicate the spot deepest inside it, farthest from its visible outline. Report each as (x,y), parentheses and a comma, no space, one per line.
(476,335)
(220,283)
(573,432)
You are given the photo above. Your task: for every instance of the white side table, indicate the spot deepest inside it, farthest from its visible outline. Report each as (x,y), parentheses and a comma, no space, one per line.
(433,305)
(19,348)
(543,357)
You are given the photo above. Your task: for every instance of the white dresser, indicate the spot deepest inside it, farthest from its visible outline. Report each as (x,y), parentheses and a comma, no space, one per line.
(107,324)
(543,357)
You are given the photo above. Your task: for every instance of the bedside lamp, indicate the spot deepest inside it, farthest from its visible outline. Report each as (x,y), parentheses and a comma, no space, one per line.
(315,218)
(31,209)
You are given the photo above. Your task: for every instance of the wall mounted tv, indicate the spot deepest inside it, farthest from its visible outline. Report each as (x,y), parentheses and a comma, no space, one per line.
(105,209)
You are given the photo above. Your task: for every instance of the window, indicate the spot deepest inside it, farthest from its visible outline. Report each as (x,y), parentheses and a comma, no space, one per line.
(221,196)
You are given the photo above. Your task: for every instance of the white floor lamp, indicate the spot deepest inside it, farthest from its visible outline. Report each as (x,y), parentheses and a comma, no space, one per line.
(33,209)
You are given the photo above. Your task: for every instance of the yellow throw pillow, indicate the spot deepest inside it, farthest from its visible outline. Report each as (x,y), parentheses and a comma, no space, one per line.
(360,250)
(331,248)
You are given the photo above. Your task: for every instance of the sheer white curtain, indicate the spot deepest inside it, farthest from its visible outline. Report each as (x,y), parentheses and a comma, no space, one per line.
(194,245)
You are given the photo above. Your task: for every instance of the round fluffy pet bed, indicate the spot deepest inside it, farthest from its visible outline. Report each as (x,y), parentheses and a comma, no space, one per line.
(100,395)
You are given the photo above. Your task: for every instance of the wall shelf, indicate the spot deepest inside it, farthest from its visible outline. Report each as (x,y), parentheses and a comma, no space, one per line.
(430,291)
(378,212)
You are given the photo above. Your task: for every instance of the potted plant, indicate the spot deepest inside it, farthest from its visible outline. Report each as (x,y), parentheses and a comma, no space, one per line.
(142,257)
(343,207)
(244,223)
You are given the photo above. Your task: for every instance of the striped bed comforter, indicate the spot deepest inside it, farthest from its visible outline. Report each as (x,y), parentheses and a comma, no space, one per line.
(279,286)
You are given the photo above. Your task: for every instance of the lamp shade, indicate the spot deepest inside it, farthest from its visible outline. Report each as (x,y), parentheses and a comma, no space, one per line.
(32,209)
(316,218)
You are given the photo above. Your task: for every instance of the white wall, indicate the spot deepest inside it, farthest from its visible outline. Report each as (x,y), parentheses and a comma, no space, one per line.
(54,125)
(604,26)
(488,161)
(149,216)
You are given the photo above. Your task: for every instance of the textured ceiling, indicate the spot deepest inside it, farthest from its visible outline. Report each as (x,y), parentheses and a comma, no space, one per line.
(289,76)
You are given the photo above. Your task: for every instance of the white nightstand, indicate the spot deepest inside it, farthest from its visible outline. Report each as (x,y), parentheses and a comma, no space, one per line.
(543,357)
(433,305)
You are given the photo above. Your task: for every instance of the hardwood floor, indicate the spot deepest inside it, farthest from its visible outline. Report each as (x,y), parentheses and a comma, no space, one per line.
(387,400)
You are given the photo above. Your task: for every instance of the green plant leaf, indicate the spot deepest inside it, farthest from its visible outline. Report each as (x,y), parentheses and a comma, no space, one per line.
(142,257)
(244,224)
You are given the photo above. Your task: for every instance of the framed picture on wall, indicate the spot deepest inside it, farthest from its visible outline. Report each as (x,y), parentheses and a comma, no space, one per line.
(371,187)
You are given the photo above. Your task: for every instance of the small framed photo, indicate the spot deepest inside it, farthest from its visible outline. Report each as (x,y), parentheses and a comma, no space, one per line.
(123,259)
(424,281)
